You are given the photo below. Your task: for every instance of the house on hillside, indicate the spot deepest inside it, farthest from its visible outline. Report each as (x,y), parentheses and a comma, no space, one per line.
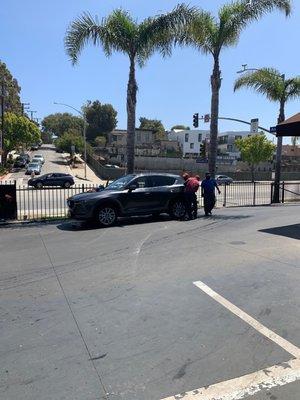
(189,140)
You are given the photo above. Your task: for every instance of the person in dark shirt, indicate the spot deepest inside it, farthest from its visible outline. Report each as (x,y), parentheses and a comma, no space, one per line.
(208,186)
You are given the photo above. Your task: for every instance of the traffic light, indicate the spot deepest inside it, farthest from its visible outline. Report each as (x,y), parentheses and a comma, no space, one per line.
(196,120)
(203,150)
(206,118)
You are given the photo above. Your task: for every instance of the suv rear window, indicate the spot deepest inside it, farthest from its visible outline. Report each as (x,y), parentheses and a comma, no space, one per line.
(162,180)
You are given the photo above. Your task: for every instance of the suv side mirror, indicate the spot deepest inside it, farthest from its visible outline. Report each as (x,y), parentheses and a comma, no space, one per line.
(100,188)
(132,187)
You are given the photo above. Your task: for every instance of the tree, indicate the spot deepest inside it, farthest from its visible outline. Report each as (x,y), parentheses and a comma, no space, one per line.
(138,41)
(211,35)
(295,140)
(101,119)
(255,149)
(59,123)
(155,125)
(273,85)
(18,131)
(12,90)
(69,139)
(100,141)
(182,127)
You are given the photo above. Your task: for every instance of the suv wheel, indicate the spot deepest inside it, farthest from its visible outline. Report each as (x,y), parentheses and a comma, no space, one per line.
(39,185)
(177,209)
(106,215)
(67,185)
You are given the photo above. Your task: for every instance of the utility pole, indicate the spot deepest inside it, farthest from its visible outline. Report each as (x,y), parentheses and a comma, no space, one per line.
(25,107)
(31,114)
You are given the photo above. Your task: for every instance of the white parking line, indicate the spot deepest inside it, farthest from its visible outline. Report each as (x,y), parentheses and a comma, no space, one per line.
(247,385)
(287,346)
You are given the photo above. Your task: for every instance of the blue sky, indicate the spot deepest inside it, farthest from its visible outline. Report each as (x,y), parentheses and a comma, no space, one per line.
(170,89)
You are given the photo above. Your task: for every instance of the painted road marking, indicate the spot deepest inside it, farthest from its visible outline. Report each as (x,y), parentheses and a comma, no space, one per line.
(287,346)
(247,385)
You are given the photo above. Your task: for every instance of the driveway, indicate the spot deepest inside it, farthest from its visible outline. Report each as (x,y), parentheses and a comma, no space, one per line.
(148,309)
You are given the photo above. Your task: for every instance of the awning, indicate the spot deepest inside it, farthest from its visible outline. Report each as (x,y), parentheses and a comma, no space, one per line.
(289,127)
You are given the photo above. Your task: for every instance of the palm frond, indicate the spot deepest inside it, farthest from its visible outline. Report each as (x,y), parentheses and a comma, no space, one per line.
(120,32)
(234,17)
(79,33)
(292,88)
(266,81)
(161,32)
(201,33)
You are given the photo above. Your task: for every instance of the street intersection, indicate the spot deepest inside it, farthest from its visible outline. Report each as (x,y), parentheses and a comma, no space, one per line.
(152,310)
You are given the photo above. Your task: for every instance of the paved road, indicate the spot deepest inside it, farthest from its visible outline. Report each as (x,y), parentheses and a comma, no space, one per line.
(32,203)
(113,313)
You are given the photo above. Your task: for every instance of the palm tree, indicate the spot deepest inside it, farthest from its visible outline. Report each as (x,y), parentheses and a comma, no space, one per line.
(211,35)
(273,85)
(121,33)
(295,141)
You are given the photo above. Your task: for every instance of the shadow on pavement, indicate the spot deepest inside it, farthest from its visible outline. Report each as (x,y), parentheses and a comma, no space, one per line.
(140,220)
(226,217)
(123,222)
(291,231)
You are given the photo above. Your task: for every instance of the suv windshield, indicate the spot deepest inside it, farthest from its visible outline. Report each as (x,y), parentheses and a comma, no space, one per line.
(120,184)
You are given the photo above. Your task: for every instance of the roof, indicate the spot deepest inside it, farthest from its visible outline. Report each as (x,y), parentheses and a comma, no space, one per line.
(289,127)
(291,120)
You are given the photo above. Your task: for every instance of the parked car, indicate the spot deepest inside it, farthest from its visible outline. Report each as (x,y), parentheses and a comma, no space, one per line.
(34,146)
(111,166)
(20,162)
(131,195)
(223,180)
(39,157)
(26,157)
(35,167)
(55,179)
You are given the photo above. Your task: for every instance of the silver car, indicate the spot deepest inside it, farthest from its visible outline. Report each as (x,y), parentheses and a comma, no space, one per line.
(33,168)
(39,157)
(223,180)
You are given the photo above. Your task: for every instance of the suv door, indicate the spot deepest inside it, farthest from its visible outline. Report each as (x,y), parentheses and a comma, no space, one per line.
(164,189)
(139,200)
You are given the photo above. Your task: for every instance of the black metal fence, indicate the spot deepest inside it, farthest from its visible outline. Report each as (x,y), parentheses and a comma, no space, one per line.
(51,202)
(46,203)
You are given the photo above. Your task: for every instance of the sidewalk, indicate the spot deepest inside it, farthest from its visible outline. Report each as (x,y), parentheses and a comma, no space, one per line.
(78,172)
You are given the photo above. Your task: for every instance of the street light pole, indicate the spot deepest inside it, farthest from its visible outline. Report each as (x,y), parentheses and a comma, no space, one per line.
(84,130)
(279,139)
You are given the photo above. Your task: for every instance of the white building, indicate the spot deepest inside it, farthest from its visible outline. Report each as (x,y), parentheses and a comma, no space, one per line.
(189,140)
(226,142)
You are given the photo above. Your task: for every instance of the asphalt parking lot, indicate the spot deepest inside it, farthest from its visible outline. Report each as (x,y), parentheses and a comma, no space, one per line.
(153,309)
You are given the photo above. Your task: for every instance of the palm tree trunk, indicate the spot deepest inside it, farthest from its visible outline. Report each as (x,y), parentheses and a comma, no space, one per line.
(131,111)
(213,144)
(281,118)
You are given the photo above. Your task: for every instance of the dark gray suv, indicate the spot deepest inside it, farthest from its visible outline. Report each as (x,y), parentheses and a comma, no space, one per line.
(131,195)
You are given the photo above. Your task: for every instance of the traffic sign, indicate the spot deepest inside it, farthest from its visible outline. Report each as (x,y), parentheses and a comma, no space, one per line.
(254,125)
(273,129)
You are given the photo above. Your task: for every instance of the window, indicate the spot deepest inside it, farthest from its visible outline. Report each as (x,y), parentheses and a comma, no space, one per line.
(199,137)
(147,137)
(114,138)
(186,137)
(160,180)
(141,182)
(138,137)
(191,145)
